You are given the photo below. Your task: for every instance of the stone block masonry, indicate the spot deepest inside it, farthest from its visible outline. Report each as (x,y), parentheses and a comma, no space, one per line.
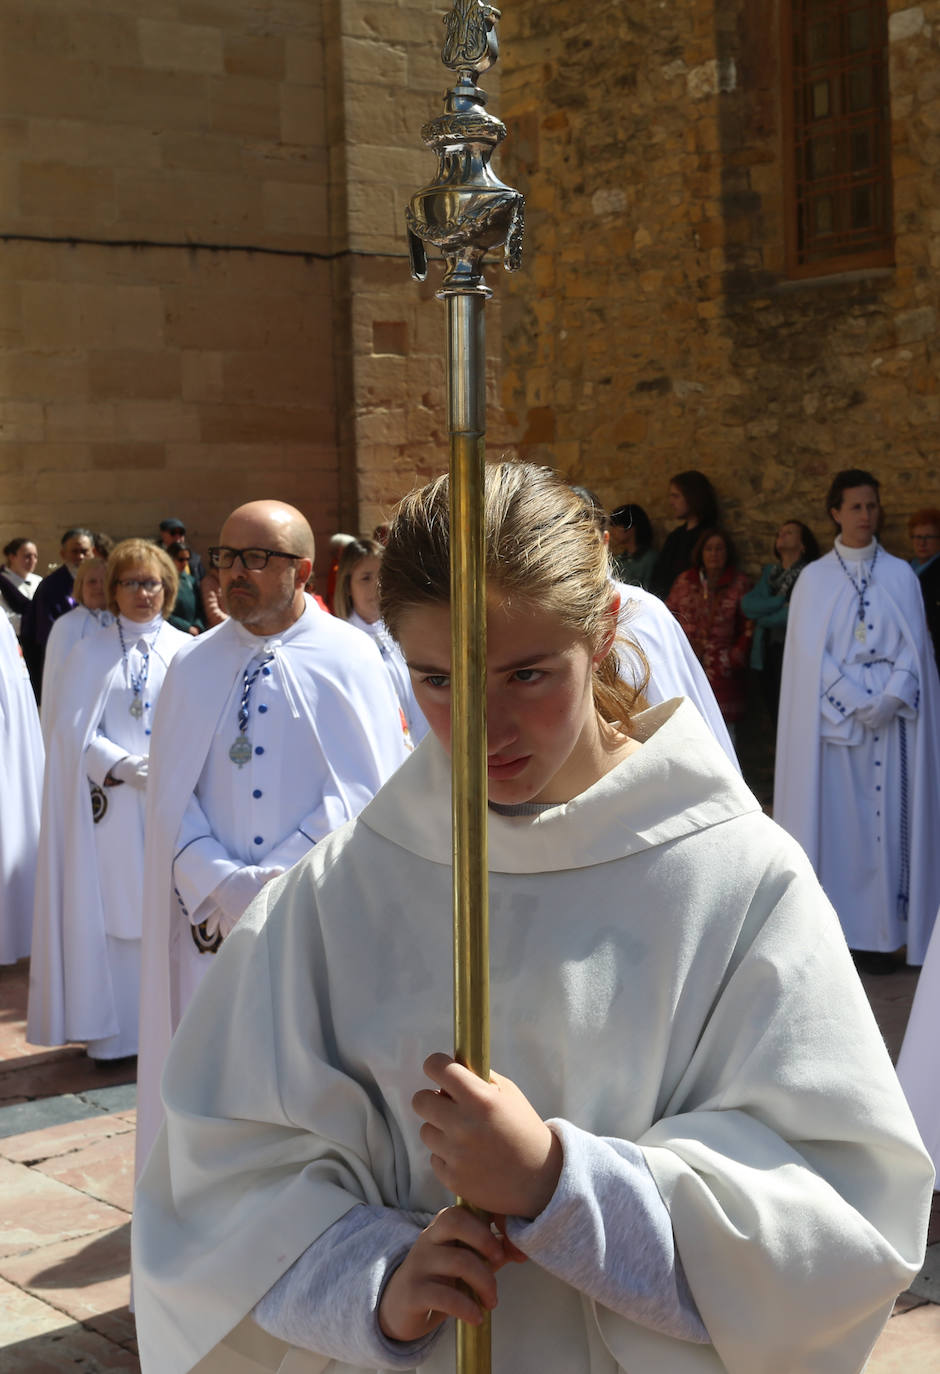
(659,330)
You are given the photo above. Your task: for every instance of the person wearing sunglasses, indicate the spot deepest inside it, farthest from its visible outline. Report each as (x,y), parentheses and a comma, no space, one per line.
(274,729)
(187,613)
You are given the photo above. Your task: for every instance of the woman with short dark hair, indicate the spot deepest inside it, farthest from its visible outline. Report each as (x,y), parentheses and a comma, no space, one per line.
(631,545)
(706,601)
(857,772)
(18,579)
(187,612)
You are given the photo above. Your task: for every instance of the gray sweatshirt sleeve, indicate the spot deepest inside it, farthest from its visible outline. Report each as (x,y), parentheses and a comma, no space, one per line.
(607,1233)
(328,1300)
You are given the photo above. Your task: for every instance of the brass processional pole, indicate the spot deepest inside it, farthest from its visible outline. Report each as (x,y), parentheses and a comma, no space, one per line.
(465,212)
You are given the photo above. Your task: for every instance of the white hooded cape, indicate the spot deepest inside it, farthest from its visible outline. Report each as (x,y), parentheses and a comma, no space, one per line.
(70,992)
(64,635)
(343,692)
(21,765)
(665,969)
(822,596)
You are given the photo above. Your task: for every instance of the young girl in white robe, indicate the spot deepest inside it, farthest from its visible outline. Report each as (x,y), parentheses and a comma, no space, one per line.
(357,600)
(693,1145)
(85,969)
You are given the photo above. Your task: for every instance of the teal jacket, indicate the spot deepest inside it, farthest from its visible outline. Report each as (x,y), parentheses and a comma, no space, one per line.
(769,612)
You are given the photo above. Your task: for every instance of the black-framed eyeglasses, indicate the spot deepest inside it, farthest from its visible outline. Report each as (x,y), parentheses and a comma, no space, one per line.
(149,585)
(252,559)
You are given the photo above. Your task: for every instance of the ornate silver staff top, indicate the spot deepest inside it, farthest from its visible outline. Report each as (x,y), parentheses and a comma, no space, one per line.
(466,210)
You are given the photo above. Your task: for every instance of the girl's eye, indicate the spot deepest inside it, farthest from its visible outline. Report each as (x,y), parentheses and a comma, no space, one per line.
(437,680)
(529,674)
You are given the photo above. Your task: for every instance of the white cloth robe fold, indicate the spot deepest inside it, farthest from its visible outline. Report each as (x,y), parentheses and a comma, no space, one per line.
(393,660)
(919,1060)
(21,768)
(343,696)
(64,635)
(665,969)
(674,669)
(79,904)
(833,780)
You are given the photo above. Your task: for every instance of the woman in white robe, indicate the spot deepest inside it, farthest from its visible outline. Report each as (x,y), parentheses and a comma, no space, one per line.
(694,1137)
(89,613)
(85,971)
(356,600)
(858,742)
(21,763)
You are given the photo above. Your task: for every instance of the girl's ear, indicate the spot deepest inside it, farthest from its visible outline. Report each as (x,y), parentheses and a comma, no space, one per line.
(610,632)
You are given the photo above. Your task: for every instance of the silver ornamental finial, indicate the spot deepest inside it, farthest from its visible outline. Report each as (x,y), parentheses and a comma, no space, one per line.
(466,210)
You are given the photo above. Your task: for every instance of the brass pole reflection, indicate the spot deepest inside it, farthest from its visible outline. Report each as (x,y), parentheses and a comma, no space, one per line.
(465,212)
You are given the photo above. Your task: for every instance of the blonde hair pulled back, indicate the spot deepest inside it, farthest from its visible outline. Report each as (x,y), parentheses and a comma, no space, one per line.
(543,551)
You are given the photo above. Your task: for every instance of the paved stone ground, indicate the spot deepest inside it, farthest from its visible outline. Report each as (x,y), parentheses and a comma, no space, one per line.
(66,1168)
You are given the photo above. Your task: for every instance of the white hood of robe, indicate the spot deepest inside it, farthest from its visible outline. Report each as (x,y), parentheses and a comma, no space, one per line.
(665,969)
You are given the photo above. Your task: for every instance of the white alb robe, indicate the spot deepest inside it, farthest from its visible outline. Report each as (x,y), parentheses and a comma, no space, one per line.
(64,635)
(21,766)
(325,732)
(864,804)
(920,1053)
(665,970)
(674,669)
(394,663)
(84,973)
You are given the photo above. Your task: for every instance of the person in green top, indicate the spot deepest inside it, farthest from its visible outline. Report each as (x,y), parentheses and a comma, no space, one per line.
(631,546)
(768,605)
(187,613)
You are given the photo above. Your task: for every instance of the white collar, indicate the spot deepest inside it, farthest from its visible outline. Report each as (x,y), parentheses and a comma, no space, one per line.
(678,783)
(856,555)
(264,644)
(135,630)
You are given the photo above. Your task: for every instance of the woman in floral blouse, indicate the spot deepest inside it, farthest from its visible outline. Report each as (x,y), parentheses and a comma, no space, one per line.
(706,600)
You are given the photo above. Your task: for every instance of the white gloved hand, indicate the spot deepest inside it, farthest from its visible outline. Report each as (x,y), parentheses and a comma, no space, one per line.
(879,711)
(132,769)
(238,890)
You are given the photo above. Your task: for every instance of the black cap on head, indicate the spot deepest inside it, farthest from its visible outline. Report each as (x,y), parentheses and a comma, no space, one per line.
(173,526)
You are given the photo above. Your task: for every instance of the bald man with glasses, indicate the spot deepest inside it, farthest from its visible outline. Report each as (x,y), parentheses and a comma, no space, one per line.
(273,729)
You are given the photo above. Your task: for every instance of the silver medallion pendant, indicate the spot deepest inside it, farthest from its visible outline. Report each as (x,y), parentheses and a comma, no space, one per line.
(860,634)
(136,708)
(240,751)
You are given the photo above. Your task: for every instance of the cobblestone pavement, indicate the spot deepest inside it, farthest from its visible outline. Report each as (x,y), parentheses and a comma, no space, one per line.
(66,1170)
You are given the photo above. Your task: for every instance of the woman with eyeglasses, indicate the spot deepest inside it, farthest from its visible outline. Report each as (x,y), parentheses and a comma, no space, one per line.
(187,613)
(85,972)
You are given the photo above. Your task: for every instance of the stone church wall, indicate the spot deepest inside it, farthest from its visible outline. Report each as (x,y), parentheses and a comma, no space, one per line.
(655,329)
(165,333)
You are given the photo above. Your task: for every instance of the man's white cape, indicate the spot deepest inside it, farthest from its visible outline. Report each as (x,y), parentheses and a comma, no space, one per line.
(343,691)
(821,592)
(70,993)
(665,969)
(21,762)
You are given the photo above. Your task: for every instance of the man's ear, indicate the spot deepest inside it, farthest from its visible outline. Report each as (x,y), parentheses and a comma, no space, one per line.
(304,569)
